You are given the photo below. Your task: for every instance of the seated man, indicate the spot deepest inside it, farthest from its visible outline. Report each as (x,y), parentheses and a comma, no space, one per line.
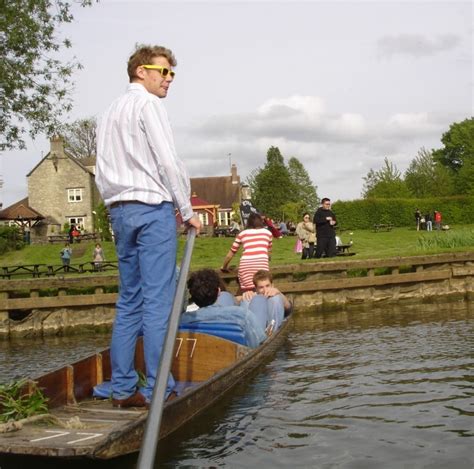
(218,306)
(278,304)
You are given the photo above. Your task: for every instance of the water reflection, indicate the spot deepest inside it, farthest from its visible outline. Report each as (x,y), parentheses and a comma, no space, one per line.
(21,358)
(390,387)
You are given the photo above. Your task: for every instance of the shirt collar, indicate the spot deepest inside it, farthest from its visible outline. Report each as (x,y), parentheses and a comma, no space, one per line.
(136,87)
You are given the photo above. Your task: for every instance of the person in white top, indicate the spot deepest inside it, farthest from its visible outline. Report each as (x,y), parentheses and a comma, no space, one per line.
(142,180)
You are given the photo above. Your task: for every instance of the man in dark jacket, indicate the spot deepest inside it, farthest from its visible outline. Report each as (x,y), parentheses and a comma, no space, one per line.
(325,220)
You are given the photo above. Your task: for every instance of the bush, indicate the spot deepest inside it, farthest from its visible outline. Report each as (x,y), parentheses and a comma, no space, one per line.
(10,239)
(364,213)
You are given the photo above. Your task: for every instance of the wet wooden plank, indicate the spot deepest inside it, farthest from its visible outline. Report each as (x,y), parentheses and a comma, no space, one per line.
(86,376)
(58,386)
(61,301)
(364,282)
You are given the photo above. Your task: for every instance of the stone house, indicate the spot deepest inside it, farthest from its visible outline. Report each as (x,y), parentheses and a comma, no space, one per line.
(62,189)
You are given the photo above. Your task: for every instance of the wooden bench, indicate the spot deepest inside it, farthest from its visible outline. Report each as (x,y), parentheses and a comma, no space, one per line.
(224,231)
(343,250)
(382,227)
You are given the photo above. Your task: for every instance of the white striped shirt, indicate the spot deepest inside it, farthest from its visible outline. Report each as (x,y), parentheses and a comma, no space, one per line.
(136,156)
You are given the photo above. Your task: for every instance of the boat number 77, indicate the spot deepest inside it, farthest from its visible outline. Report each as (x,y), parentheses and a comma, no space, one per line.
(180,344)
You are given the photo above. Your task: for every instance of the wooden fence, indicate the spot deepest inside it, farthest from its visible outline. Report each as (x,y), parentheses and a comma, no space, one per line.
(312,278)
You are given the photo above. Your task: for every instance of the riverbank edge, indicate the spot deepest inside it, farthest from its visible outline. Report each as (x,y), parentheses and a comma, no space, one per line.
(316,287)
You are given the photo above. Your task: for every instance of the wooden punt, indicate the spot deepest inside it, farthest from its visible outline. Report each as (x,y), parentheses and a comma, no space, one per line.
(211,365)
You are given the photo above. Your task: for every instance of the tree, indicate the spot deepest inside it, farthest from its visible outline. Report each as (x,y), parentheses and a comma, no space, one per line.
(304,187)
(292,211)
(465,179)
(458,145)
(425,177)
(386,183)
(102,223)
(271,185)
(79,137)
(35,85)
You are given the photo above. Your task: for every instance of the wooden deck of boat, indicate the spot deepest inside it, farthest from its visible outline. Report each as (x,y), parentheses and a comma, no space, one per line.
(98,419)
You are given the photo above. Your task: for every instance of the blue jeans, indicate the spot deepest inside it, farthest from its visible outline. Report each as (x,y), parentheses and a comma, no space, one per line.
(266,309)
(145,240)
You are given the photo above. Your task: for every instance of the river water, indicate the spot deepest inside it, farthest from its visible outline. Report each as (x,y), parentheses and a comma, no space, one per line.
(391,387)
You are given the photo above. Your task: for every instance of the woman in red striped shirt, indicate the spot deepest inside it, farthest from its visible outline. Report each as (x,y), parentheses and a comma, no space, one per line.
(256,242)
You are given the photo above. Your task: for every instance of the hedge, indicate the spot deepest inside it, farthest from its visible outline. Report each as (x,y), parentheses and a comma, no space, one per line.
(365,213)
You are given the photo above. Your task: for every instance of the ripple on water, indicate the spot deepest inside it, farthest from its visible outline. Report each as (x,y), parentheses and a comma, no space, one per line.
(384,388)
(352,391)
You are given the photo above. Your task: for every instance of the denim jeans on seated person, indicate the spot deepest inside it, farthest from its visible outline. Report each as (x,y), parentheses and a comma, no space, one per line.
(266,309)
(276,310)
(145,240)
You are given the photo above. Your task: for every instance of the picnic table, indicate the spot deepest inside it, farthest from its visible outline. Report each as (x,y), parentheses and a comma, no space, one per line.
(224,231)
(33,269)
(343,250)
(82,268)
(382,227)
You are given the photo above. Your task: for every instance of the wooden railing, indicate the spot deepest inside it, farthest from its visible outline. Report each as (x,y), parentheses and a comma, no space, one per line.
(63,292)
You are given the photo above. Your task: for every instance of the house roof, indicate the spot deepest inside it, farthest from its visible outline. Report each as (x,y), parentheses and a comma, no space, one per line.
(198,202)
(20,209)
(88,161)
(217,190)
(79,163)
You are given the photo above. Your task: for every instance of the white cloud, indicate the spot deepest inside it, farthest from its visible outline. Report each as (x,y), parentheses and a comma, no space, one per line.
(336,149)
(416,45)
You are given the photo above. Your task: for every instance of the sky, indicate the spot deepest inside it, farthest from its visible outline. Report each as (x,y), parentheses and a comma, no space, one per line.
(340,85)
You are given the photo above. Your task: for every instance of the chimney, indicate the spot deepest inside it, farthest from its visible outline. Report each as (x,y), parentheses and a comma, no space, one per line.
(57,150)
(57,145)
(234,177)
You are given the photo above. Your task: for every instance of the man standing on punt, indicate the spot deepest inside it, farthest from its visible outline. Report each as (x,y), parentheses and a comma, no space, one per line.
(142,180)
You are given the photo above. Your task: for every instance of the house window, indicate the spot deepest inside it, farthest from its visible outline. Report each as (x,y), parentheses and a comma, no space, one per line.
(77,221)
(224,218)
(203,218)
(74,195)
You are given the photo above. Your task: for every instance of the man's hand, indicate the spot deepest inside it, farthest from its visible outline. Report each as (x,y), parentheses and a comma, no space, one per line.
(194,221)
(272,291)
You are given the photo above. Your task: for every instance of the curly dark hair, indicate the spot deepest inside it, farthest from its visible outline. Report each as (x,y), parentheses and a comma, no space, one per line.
(203,287)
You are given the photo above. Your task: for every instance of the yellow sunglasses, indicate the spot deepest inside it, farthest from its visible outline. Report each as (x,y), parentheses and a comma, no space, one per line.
(163,70)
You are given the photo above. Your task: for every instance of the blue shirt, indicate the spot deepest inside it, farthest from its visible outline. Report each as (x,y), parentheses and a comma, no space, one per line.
(240,315)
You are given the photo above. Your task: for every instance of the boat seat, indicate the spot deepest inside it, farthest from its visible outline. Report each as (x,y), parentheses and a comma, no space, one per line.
(229,331)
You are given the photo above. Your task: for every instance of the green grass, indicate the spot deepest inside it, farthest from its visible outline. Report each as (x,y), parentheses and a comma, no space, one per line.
(16,405)
(210,252)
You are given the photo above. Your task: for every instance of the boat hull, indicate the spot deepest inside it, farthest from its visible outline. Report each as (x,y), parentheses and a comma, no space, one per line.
(111,432)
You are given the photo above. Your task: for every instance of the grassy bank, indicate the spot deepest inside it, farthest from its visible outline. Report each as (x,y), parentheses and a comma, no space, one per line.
(210,252)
